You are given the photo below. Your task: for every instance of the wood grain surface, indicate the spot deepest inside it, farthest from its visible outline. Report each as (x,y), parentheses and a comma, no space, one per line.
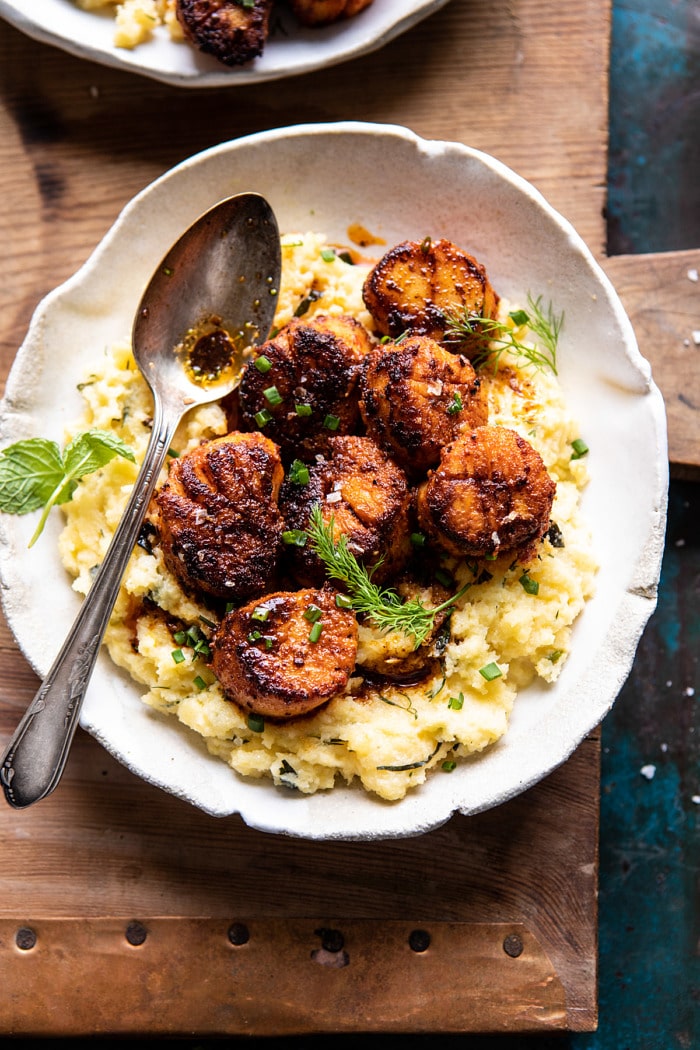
(661,294)
(525,80)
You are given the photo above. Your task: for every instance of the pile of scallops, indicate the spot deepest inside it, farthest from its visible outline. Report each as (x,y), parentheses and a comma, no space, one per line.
(387,433)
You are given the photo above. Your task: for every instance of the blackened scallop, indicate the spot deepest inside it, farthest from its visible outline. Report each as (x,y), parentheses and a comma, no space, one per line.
(365,495)
(302,388)
(217,517)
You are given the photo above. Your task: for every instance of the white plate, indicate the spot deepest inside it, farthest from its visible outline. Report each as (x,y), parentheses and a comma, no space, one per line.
(291,49)
(398,186)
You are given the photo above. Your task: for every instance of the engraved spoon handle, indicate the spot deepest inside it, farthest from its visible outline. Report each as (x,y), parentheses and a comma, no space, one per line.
(37,753)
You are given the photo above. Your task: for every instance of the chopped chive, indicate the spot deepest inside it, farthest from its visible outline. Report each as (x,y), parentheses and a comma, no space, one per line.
(255,723)
(315,632)
(303,410)
(260,613)
(529,585)
(209,623)
(254,636)
(456,703)
(490,671)
(418,539)
(263,364)
(200,683)
(178,656)
(262,417)
(347,258)
(180,637)
(343,602)
(444,577)
(173,453)
(268,642)
(426,244)
(294,537)
(328,255)
(313,613)
(272,396)
(449,766)
(305,303)
(456,404)
(331,422)
(299,473)
(580,448)
(229,607)
(519,317)
(555,655)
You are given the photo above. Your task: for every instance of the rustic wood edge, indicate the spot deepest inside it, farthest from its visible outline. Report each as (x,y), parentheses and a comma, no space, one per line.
(661,294)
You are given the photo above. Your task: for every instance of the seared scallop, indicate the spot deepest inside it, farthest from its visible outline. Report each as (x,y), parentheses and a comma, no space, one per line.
(423,287)
(416,397)
(491,493)
(217,517)
(231,31)
(285,654)
(365,494)
(302,387)
(323,12)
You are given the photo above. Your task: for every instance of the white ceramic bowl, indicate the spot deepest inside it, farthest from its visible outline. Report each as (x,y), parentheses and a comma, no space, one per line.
(291,49)
(398,186)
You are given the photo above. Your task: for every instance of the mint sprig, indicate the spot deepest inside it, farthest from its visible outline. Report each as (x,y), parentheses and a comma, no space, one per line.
(34,473)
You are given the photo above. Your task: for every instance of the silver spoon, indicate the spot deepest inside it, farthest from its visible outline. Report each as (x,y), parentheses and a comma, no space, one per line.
(215,290)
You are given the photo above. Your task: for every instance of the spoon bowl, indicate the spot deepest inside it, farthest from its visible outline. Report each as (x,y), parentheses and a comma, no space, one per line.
(211,299)
(190,312)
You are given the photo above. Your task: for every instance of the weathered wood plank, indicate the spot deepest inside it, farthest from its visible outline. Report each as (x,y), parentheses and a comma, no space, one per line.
(661,294)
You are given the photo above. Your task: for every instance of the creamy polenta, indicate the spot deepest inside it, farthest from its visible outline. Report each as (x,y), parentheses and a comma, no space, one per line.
(136,20)
(510,627)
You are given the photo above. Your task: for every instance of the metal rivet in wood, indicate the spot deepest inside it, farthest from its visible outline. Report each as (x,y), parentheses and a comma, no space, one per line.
(419,940)
(136,934)
(238,934)
(25,938)
(513,946)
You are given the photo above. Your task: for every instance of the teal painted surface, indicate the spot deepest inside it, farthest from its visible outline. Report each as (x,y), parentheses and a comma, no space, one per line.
(654,173)
(649,968)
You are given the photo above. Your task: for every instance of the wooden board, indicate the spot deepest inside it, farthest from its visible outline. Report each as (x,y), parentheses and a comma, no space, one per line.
(661,294)
(526,81)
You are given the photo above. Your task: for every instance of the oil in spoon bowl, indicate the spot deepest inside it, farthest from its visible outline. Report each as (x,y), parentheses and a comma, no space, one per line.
(211,299)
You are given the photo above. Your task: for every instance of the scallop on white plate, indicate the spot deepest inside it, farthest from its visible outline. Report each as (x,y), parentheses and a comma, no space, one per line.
(391,180)
(290,50)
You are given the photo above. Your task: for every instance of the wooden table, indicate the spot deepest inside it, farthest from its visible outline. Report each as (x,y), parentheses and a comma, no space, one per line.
(124,910)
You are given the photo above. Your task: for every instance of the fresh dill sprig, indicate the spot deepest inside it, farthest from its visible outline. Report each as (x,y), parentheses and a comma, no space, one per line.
(496,337)
(384,606)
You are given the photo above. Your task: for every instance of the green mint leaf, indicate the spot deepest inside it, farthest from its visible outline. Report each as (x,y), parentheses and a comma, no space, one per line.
(92,450)
(34,474)
(30,472)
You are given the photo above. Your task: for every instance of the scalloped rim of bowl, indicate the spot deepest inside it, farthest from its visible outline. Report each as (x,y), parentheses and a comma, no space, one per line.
(295,51)
(629,478)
